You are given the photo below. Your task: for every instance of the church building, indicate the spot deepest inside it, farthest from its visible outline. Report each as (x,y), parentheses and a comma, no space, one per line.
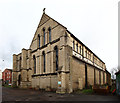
(58,61)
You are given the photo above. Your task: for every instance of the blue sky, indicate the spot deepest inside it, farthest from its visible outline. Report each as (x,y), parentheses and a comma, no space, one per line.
(94,22)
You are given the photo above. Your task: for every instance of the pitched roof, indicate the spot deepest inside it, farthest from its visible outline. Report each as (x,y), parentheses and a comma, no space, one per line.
(8,69)
(48,17)
(42,21)
(83,44)
(75,38)
(107,71)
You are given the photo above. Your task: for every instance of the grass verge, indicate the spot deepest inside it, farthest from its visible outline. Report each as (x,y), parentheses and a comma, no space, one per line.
(87,91)
(7,86)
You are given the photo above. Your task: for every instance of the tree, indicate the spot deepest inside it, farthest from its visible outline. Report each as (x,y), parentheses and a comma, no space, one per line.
(113,71)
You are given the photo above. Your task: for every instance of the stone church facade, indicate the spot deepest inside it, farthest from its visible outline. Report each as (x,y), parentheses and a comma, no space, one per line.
(57,60)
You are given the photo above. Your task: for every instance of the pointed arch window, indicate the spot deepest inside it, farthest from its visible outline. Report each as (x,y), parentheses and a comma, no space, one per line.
(90,55)
(20,63)
(34,59)
(44,63)
(49,34)
(86,53)
(38,40)
(56,57)
(103,77)
(44,36)
(80,49)
(73,45)
(77,47)
(99,77)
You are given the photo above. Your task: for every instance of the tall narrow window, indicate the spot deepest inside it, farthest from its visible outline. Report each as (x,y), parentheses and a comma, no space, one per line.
(80,49)
(49,34)
(39,41)
(103,78)
(44,36)
(93,59)
(86,53)
(100,77)
(73,45)
(90,56)
(94,77)
(34,59)
(20,63)
(77,47)
(56,55)
(44,69)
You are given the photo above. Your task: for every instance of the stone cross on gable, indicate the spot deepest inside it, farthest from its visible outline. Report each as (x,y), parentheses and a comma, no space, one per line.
(44,10)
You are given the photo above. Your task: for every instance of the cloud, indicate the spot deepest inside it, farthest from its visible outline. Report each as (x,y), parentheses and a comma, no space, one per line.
(94,22)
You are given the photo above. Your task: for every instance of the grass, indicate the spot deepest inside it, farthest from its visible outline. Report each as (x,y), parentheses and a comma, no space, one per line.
(84,91)
(7,86)
(87,91)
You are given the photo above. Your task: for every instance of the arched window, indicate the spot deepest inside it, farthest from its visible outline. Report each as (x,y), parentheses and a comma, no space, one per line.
(73,45)
(56,57)
(44,69)
(77,47)
(20,63)
(49,34)
(80,49)
(44,36)
(34,59)
(103,77)
(86,53)
(39,41)
(90,56)
(99,77)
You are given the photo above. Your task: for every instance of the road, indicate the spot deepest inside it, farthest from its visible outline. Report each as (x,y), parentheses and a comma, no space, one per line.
(16,94)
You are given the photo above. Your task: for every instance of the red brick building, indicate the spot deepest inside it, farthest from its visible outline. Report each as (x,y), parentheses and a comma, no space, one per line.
(7,76)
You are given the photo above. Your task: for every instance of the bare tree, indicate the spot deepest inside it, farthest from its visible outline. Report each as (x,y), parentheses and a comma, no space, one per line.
(113,71)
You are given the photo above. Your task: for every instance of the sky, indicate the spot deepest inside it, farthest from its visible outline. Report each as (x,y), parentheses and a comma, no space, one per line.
(94,22)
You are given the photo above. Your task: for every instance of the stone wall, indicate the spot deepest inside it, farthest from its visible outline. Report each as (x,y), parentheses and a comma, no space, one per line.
(90,71)
(78,71)
(78,74)
(43,82)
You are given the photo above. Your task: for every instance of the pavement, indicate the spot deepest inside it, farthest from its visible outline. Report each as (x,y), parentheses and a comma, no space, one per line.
(16,94)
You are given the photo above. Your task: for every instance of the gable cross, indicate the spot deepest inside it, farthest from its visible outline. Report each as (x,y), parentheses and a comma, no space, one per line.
(44,10)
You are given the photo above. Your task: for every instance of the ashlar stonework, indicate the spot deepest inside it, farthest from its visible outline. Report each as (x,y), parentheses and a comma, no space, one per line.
(57,60)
